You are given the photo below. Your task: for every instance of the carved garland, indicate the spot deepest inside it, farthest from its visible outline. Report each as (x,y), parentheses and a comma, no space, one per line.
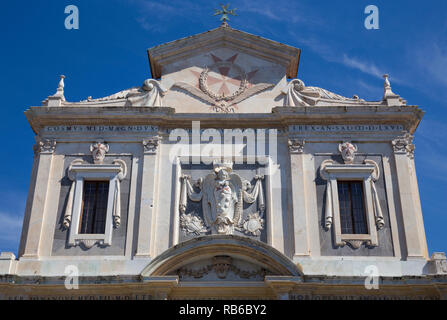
(242,87)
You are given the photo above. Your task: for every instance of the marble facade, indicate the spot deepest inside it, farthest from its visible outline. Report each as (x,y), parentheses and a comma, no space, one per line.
(280,238)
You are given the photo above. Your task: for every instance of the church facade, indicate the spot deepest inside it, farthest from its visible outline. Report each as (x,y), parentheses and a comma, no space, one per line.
(224,176)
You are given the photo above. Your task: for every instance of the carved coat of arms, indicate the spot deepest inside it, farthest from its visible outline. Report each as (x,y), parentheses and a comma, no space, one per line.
(222,194)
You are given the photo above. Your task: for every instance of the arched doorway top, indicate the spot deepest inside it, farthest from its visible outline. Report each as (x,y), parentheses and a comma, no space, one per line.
(242,248)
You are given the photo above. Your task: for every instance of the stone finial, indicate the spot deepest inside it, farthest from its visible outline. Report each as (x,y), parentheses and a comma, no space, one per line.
(347,151)
(60,89)
(99,150)
(61,85)
(389,96)
(387,81)
(56,99)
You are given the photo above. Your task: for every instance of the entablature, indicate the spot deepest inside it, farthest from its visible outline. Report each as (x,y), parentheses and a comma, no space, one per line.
(280,118)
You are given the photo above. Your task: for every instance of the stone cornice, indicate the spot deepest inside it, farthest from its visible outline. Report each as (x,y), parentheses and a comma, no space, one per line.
(227,37)
(281,117)
(321,280)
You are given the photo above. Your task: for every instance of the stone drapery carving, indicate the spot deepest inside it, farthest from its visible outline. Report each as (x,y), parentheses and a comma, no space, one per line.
(404,145)
(150,94)
(44,145)
(116,213)
(116,210)
(99,150)
(296,145)
(347,151)
(69,207)
(298,95)
(221,266)
(380,222)
(222,194)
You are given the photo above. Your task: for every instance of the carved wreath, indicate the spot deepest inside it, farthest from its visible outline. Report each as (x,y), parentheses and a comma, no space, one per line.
(242,87)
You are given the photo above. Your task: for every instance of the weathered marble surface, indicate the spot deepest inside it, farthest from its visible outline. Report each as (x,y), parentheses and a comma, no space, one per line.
(225,79)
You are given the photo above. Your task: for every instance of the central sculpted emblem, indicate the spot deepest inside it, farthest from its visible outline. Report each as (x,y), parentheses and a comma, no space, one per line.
(222,194)
(223,81)
(223,84)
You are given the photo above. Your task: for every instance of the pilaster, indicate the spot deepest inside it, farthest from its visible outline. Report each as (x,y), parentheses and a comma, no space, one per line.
(409,197)
(37,202)
(146,222)
(298,194)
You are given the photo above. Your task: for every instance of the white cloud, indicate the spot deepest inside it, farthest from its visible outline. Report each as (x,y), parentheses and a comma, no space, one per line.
(434,61)
(363,66)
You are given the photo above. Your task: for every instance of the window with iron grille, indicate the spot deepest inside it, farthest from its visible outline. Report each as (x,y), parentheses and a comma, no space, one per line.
(352,207)
(94,207)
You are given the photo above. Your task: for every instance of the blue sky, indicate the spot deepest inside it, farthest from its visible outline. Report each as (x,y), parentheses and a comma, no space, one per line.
(108,54)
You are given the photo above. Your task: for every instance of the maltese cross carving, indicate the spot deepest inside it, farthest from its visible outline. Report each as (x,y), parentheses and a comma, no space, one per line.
(223,84)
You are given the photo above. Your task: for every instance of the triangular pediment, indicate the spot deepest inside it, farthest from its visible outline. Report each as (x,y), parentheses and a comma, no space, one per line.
(223,37)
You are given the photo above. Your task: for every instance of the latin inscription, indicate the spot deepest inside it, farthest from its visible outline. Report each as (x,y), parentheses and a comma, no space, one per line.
(101,129)
(346,128)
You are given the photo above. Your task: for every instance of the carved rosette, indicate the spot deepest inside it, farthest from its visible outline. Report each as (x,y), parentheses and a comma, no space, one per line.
(404,145)
(151,145)
(296,145)
(44,145)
